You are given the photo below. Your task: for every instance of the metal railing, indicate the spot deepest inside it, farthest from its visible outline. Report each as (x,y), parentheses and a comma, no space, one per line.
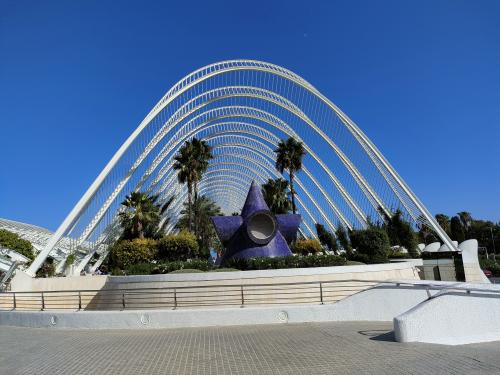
(318,292)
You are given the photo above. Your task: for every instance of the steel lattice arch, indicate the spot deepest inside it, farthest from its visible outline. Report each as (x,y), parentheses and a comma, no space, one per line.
(242,108)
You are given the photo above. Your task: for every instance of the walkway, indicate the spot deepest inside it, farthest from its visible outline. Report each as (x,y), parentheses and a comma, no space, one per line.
(323,348)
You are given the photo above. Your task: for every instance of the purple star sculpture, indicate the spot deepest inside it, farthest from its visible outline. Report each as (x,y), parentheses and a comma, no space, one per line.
(257,232)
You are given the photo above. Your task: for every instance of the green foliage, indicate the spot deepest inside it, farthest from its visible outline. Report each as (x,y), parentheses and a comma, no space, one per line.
(190,163)
(180,246)
(326,238)
(400,232)
(125,253)
(373,242)
(444,221)
(12,241)
(488,264)
(343,239)
(139,269)
(204,208)
(187,270)
(306,246)
(276,196)
(263,263)
(141,216)
(70,259)
(289,155)
(47,269)
(167,267)
(457,231)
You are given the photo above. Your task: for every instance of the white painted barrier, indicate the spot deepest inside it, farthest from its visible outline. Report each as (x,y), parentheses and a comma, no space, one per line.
(464,315)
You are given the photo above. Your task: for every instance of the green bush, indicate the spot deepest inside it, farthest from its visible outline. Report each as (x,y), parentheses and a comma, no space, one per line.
(125,253)
(12,241)
(488,264)
(398,255)
(180,246)
(307,246)
(188,270)
(167,267)
(47,269)
(224,270)
(139,269)
(263,263)
(373,242)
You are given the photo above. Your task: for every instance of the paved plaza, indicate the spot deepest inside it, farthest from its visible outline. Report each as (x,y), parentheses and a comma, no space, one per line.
(319,348)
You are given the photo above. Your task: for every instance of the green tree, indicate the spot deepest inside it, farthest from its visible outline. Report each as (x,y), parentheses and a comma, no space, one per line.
(373,242)
(444,222)
(204,208)
(186,174)
(343,239)
(326,238)
(142,216)
(275,195)
(202,154)
(466,221)
(400,232)
(14,242)
(190,163)
(457,229)
(289,156)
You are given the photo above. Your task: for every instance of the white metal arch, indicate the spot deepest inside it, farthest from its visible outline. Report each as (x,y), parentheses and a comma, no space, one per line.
(230,80)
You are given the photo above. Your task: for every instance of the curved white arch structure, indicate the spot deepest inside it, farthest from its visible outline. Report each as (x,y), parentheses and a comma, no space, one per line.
(243,108)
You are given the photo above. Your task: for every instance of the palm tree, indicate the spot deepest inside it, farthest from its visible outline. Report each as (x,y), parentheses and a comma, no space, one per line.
(202,153)
(204,208)
(141,212)
(466,220)
(186,173)
(191,162)
(289,156)
(444,222)
(275,195)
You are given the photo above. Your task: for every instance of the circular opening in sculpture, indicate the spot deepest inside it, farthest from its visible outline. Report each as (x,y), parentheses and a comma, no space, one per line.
(261,227)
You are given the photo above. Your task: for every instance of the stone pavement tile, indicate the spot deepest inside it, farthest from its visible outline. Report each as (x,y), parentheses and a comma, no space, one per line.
(315,348)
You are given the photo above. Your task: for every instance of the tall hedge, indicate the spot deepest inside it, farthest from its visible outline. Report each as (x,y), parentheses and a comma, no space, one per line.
(12,241)
(127,252)
(373,242)
(180,246)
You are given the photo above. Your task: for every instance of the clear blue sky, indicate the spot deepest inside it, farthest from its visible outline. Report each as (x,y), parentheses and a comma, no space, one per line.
(421,78)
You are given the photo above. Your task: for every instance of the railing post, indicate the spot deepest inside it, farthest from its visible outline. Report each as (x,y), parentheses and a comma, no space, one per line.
(123,301)
(14,300)
(242,296)
(321,292)
(175,299)
(79,300)
(43,302)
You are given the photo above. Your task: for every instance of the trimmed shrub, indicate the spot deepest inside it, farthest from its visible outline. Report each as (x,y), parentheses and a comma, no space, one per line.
(140,269)
(167,267)
(373,242)
(180,246)
(188,270)
(126,253)
(263,263)
(307,246)
(12,241)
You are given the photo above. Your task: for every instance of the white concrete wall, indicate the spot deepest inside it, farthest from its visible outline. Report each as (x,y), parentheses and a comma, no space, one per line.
(381,303)
(453,317)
